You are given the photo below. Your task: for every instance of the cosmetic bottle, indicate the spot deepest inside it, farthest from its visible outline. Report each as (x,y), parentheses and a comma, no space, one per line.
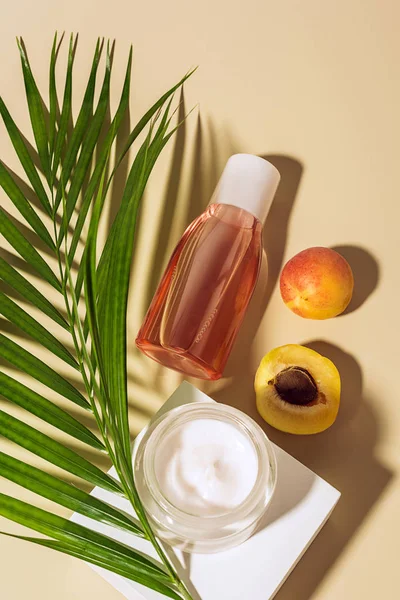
(200,303)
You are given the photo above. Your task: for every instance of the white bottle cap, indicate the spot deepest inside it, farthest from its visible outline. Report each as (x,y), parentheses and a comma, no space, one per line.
(249,182)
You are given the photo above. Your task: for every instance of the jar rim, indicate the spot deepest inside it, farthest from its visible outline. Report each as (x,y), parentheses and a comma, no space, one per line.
(261,443)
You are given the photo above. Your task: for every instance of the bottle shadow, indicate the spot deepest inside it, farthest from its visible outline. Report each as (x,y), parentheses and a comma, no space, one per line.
(344,456)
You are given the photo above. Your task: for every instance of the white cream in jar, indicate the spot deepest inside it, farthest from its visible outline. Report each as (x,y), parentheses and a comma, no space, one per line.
(206,473)
(206,467)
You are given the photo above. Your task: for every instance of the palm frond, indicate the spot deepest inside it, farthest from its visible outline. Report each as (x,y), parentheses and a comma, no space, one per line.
(26,250)
(19,394)
(19,317)
(65,494)
(25,208)
(24,157)
(35,111)
(73,177)
(36,368)
(29,293)
(54,452)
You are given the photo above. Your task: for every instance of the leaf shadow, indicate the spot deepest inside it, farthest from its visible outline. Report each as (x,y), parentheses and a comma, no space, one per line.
(168,204)
(19,263)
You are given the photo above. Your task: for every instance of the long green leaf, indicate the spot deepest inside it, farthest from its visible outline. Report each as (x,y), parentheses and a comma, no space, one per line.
(65,112)
(65,494)
(89,143)
(114,329)
(64,530)
(42,445)
(24,360)
(20,318)
(89,269)
(29,292)
(132,137)
(103,267)
(52,97)
(107,561)
(47,411)
(130,185)
(26,250)
(25,208)
(102,159)
(24,157)
(35,111)
(81,125)
(150,114)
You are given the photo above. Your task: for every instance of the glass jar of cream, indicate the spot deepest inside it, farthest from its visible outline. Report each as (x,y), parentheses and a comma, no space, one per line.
(205,473)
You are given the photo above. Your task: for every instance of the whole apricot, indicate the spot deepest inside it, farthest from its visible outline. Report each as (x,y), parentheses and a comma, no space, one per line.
(317,283)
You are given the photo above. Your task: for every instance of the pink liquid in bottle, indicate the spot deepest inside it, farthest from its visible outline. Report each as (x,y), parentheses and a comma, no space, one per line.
(202,298)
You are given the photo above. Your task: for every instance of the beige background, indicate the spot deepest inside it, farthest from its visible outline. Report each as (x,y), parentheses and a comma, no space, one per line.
(314,85)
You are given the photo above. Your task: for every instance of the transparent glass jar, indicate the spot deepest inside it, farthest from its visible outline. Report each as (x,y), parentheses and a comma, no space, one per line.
(210,533)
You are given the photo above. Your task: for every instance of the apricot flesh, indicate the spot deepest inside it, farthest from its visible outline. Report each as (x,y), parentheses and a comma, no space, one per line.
(317,283)
(297,390)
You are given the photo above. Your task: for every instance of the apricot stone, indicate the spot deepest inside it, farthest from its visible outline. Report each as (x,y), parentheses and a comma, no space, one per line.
(317,283)
(297,390)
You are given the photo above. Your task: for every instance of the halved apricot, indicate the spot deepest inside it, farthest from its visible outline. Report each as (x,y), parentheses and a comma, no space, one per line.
(297,390)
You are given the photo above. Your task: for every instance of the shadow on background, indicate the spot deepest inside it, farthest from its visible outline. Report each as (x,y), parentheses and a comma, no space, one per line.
(366,274)
(168,205)
(203,181)
(344,456)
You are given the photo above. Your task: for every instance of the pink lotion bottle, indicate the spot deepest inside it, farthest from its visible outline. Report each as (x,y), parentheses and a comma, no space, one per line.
(202,298)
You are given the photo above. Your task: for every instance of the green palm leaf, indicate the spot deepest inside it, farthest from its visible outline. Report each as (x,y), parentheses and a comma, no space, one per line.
(24,207)
(24,157)
(30,293)
(107,560)
(52,96)
(15,314)
(102,159)
(66,531)
(35,111)
(81,124)
(19,394)
(26,250)
(65,112)
(116,286)
(36,368)
(76,164)
(54,452)
(90,141)
(65,494)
